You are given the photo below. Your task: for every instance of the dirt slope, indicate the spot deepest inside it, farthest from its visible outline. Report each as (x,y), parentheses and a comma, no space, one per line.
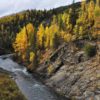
(71,73)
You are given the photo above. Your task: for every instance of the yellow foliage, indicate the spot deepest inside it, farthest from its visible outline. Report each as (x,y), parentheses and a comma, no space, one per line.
(81,30)
(32,55)
(68,37)
(47,37)
(30,28)
(50,33)
(97,11)
(23,57)
(24,40)
(30,33)
(91,8)
(50,70)
(20,44)
(40,34)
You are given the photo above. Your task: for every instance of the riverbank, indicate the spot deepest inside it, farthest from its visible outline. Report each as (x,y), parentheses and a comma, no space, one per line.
(8,88)
(42,80)
(27,83)
(70,72)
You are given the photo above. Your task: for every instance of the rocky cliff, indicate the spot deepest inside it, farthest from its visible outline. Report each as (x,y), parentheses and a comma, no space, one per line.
(71,73)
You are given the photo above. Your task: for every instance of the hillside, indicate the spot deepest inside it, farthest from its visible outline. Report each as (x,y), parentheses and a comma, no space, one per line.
(12,24)
(60,46)
(71,73)
(28,16)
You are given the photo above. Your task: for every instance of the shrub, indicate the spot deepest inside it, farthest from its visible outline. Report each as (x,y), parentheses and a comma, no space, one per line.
(50,69)
(90,50)
(9,89)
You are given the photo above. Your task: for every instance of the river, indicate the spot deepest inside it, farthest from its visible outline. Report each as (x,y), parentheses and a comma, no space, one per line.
(27,83)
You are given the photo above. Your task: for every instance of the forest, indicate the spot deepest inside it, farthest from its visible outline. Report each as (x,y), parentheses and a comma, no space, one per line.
(73,24)
(61,46)
(30,33)
(10,25)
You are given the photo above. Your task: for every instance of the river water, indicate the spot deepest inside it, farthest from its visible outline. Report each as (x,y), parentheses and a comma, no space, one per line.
(29,86)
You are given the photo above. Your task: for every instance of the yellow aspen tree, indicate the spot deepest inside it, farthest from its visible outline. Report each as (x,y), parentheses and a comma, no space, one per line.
(47,35)
(53,29)
(32,56)
(24,40)
(91,8)
(40,35)
(30,33)
(21,43)
(97,9)
(98,3)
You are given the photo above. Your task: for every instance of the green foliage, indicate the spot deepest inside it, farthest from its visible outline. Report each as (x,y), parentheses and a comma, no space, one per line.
(90,50)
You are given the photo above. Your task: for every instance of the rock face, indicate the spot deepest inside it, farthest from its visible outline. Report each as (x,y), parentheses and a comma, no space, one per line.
(72,73)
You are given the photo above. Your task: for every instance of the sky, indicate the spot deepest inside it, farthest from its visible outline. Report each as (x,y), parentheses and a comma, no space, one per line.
(12,6)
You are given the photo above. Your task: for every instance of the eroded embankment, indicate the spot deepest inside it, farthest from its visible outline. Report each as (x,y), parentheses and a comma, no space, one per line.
(29,86)
(71,73)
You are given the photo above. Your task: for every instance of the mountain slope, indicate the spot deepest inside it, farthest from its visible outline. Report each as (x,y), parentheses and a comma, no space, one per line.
(71,73)
(12,24)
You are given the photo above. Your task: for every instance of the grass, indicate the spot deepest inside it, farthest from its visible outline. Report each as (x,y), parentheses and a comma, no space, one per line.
(8,89)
